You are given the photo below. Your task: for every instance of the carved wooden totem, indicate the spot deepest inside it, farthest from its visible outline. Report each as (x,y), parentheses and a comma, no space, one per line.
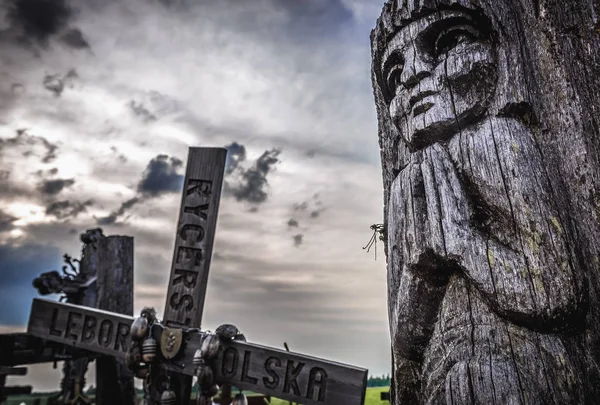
(489,127)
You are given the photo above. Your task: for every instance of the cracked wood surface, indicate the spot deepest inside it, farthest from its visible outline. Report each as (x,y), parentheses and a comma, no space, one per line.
(490,144)
(282,374)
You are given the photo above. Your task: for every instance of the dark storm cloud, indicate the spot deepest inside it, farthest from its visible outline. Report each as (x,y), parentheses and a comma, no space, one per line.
(314,205)
(20,265)
(112,218)
(57,83)
(292,223)
(142,112)
(6,221)
(54,84)
(67,209)
(236,154)
(122,158)
(161,176)
(251,183)
(300,206)
(75,39)
(54,187)
(22,138)
(38,20)
(298,240)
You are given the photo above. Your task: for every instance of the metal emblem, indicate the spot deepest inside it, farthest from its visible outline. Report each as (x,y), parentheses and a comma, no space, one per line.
(170,342)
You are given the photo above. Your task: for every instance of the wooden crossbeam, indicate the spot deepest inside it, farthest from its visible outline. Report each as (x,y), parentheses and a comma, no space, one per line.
(13,370)
(290,376)
(23,349)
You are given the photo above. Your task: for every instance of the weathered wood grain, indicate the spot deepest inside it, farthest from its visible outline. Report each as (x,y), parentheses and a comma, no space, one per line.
(23,349)
(80,327)
(490,143)
(195,236)
(291,376)
(113,259)
(193,248)
(286,375)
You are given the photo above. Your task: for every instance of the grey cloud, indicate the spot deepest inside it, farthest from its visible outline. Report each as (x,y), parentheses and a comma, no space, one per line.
(122,158)
(67,209)
(236,153)
(314,204)
(161,176)
(38,20)
(300,206)
(54,187)
(6,221)
(112,218)
(298,240)
(250,185)
(24,139)
(292,223)
(56,83)
(154,105)
(142,112)
(75,39)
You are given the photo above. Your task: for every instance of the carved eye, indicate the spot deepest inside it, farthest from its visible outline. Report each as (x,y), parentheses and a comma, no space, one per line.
(451,38)
(393,72)
(394,80)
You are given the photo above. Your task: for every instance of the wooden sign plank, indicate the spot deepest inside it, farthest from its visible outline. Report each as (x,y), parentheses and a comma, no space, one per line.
(291,376)
(286,375)
(195,236)
(80,327)
(281,374)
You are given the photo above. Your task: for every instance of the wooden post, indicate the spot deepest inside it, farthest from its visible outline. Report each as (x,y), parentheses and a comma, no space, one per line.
(193,247)
(110,259)
(490,145)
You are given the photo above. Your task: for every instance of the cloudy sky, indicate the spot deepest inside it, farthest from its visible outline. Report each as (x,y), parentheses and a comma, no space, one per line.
(99,102)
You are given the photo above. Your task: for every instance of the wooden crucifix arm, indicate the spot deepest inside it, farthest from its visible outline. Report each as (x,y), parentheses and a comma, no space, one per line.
(291,376)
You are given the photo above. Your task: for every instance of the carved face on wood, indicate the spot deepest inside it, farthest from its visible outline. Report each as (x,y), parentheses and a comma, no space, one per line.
(438,74)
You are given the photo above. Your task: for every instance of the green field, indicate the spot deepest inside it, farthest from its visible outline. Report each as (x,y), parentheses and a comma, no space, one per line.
(372,398)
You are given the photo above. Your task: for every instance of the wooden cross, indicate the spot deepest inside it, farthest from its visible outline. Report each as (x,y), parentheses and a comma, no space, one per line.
(261,369)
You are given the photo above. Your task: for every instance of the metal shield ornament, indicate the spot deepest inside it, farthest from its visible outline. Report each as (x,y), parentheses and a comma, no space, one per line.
(170,342)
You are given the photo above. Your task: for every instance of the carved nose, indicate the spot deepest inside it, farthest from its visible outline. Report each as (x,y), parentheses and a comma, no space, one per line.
(415,70)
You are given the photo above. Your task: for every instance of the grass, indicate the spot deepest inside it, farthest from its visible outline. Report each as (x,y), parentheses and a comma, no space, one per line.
(372,397)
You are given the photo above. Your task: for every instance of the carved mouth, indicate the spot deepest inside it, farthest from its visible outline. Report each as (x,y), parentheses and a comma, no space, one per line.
(415,99)
(421,109)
